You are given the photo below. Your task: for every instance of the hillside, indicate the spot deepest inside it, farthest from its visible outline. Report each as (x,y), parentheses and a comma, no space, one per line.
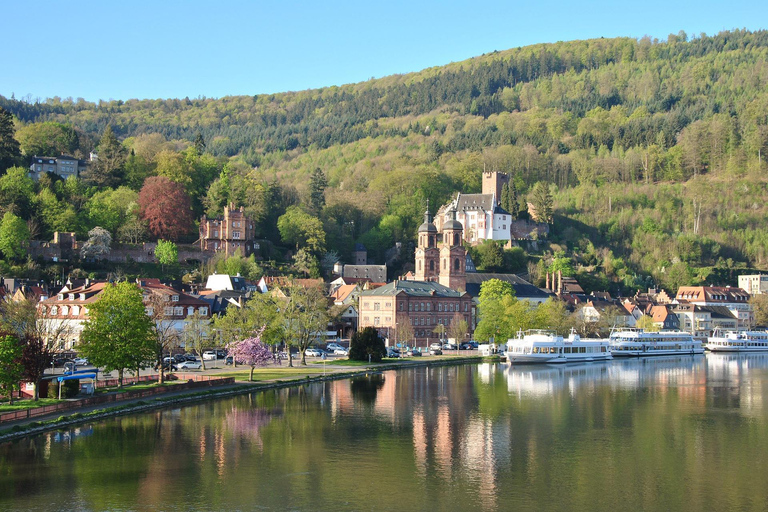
(654,151)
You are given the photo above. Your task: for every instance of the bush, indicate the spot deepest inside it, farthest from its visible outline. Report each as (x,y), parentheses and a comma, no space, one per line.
(71,389)
(367,343)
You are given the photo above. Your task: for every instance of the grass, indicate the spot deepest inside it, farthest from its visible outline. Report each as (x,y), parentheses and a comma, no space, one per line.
(140,387)
(261,374)
(19,405)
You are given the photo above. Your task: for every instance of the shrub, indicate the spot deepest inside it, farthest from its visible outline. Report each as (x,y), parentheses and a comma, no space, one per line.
(367,343)
(71,388)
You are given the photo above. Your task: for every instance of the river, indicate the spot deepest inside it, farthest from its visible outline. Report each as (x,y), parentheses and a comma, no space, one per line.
(681,433)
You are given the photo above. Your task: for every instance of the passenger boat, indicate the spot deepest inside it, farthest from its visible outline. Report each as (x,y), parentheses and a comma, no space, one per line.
(738,341)
(638,343)
(544,346)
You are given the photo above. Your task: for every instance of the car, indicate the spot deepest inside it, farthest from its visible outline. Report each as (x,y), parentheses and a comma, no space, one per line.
(414,353)
(59,362)
(167,365)
(341,352)
(209,355)
(189,365)
(314,352)
(435,346)
(450,346)
(81,361)
(333,346)
(180,358)
(435,351)
(393,352)
(282,355)
(190,357)
(228,360)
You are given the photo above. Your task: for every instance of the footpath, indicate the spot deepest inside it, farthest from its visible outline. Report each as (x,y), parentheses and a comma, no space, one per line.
(22,427)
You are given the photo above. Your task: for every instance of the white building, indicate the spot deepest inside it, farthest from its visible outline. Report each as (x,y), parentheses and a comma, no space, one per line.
(754,284)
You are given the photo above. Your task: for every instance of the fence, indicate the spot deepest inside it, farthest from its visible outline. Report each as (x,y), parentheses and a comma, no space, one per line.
(193,382)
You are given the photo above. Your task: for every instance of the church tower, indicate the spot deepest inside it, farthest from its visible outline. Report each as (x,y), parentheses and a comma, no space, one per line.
(453,256)
(427,253)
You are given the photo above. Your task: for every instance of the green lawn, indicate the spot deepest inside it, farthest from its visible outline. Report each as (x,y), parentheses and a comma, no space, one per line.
(27,404)
(262,374)
(140,387)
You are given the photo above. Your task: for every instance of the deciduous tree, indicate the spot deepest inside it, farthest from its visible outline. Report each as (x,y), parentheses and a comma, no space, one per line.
(167,253)
(14,237)
(165,206)
(367,345)
(98,244)
(251,352)
(118,335)
(304,312)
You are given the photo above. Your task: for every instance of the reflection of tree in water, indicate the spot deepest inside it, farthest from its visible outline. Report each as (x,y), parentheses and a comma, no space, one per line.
(246,423)
(366,388)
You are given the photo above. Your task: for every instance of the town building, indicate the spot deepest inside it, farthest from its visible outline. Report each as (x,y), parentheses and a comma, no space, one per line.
(64,166)
(228,234)
(755,284)
(441,257)
(421,304)
(736,300)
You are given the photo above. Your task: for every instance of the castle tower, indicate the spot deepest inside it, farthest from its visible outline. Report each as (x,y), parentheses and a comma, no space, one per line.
(492,183)
(427,253)
(453,256)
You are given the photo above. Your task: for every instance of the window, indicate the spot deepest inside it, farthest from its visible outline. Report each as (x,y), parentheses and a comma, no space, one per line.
(410,307)
(175,298)
(376,306)
(65,310)
(431,265)
(376,320)
(235,234)
(178,311)
(168,311)
(457,264)
(54,310)
(190,311)
(429,306)
(400,306)
(75,310)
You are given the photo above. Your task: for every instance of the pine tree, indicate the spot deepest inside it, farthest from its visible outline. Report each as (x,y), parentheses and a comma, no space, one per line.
(9,146)
(199,144)
(514,201)
(542,202)
(108,169)
(317,185)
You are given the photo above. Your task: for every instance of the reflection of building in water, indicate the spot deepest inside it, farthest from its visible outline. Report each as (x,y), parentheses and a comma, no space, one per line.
(732,382)
(484,448)
(545,381)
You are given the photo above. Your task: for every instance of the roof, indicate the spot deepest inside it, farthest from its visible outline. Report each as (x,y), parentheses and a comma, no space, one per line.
(372,272)
(414,289)
(712,294)
(523,289)
(360,247)
(342,292)
(718,312)
(467,202)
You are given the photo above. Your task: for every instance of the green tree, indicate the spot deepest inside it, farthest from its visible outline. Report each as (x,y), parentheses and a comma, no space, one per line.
(759,305)
(541,199)
(302,230)
(367,345)
(458,328)
(304,312)
(167,253)
(118,334)
(491,256)
(260,313)
(14,237)
(495,297)
(9,146)
(109,167)
(317,186)
(17,192)
(11,368)
(196,334)
(646,322)
(199,144)
(48,139)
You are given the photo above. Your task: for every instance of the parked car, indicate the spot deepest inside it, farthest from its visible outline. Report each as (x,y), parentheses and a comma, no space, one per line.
(60,361)
(189,365)
(333,346)
(393,352)
(414,353)
(220,353)
(341,352)
(436,346)
(435,351)
(450,346)
(180,358)
(228,360)
(314,352)
(190,357)
(167,365)
(81,361)
(209,355)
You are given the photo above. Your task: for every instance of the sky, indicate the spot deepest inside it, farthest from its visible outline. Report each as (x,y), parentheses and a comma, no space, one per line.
(175,49)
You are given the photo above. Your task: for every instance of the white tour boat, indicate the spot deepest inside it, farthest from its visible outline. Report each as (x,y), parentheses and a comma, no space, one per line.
(738,341)
(543,346)
(639,343)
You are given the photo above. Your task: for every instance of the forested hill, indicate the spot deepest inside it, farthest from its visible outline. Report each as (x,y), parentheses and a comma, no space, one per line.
(654,150)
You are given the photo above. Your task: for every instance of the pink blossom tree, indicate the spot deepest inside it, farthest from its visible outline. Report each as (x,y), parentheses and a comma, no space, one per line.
(252,352)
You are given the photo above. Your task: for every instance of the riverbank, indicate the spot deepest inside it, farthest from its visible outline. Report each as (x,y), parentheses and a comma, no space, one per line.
(31,426)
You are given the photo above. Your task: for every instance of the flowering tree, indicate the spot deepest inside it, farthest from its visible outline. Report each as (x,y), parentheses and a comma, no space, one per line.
(252,352)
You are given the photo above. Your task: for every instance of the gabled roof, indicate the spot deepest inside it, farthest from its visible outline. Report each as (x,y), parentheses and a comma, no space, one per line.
(474,202)
(372,272)
(343,292)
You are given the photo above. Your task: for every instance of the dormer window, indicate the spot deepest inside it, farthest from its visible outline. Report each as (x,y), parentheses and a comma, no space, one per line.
(60,296)
(71,296)
(175,298)
(82,296)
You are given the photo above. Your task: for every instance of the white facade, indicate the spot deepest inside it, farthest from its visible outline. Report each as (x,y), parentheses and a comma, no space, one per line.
(754,284)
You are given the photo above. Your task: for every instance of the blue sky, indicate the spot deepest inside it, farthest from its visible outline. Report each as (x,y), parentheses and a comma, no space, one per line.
(173,49)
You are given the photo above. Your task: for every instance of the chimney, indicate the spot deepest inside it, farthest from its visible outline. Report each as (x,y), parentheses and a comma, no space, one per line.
(559,282)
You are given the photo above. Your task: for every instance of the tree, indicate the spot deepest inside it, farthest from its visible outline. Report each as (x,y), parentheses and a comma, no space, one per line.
(166,207)
(196,334)
(491,256)
(458,328)
(98,244)
(646,322)
(302,230)
(305,262)
(260,315)
(403,330)
(14,237)
(759,305)
(17,192)
(251,352)
(167,253)
(367,345)
(541,199)
(108,169)
(9,146)
(165,334)
(199,144)
(496,297)
(118,335)
(10,363)
(305,315)
(317,185)
(47,139)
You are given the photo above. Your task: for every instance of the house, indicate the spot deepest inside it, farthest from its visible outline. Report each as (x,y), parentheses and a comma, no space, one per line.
(228,234)
(693,319)
(609,313)
(523,289)
(735,299)
(663,318)
(755,284)
(422,304)
(64,166)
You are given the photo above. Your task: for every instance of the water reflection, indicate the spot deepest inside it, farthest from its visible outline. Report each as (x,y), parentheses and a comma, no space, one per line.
(630,434)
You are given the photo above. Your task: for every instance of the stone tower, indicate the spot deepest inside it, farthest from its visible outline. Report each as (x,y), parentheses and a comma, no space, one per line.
(453,257)
(492,183)
(427,253)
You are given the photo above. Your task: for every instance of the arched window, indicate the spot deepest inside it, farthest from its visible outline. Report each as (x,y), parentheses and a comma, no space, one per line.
(431,265)
(457,264)
(456,239)
(419,264)
(444,265)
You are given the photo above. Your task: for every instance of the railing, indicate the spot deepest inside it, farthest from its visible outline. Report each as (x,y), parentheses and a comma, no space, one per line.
(194,381)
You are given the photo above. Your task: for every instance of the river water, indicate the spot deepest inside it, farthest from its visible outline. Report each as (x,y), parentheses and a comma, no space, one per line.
(682,433)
